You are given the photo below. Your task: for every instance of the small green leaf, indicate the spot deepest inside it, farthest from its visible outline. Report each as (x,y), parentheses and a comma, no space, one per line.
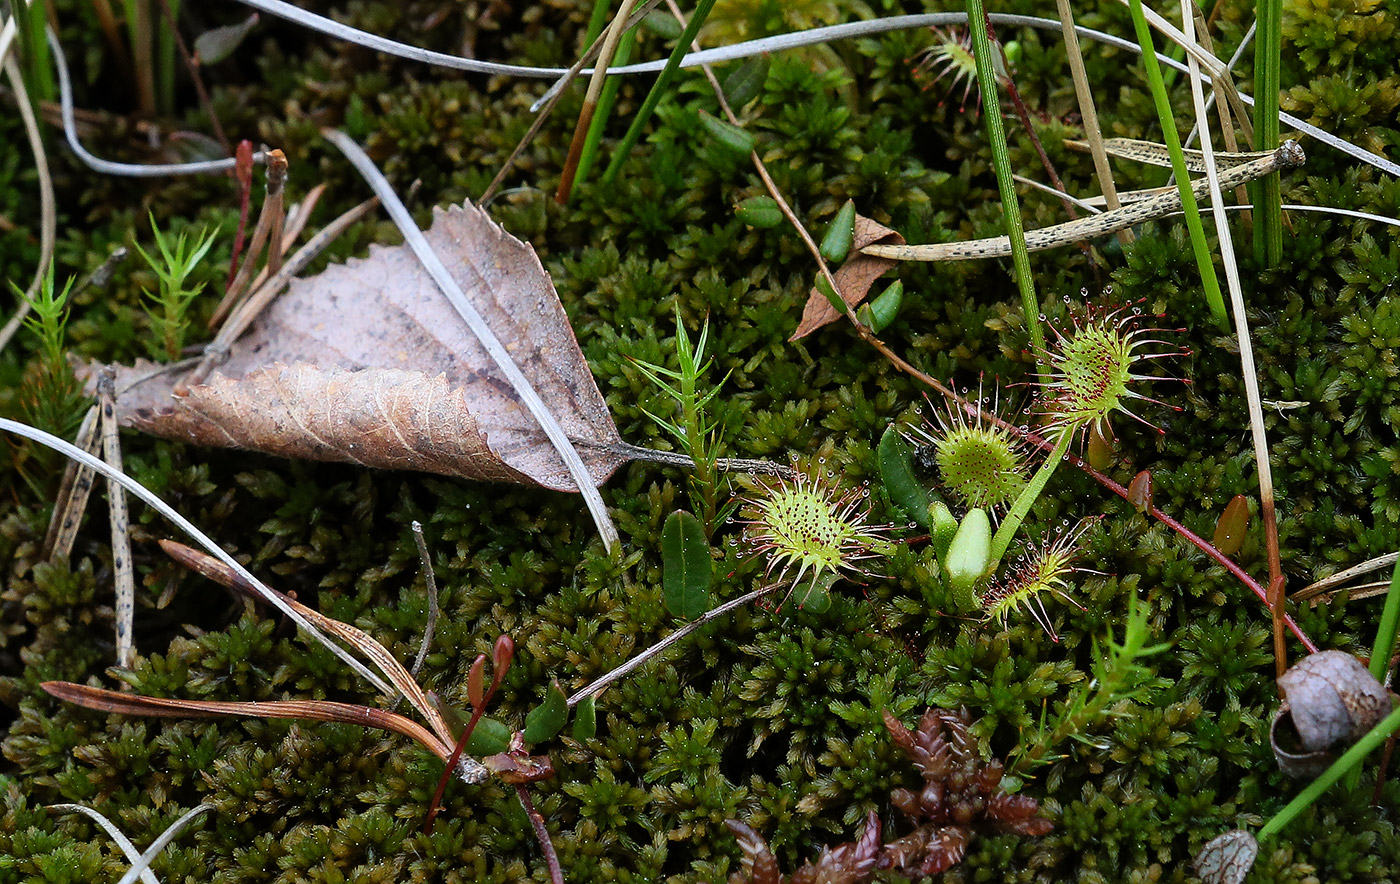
(489,737)
(729,135)
(585,719)
(663,24)
(746,82)
(217,44)
(885,308)
(815,597)
(836,245)
(825,288)
(686,566)
(548,718)
(1233,524)
(759,211)
(897,472)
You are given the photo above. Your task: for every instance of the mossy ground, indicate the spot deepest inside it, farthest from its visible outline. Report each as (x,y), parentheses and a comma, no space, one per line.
(770,717)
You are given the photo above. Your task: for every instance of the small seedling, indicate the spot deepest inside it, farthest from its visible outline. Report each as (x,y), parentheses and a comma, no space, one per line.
(696,431)
(174,264)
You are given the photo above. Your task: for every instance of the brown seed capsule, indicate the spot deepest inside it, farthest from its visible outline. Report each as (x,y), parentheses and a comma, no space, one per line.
(1140,491)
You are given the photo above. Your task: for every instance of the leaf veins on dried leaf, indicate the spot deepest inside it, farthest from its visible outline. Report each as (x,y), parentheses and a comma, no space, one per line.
(368,363)
(854,278)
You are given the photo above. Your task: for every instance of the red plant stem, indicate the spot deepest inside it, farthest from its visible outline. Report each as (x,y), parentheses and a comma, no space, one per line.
(1200,543)
(436,804)
(551,859)
(243,172)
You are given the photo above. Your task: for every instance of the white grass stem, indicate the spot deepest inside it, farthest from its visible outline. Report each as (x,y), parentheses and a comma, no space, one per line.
(48,210)
(144,494)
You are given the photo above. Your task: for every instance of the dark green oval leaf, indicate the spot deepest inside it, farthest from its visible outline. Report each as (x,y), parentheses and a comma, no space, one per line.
(686,566)
(548,718)
(897,472)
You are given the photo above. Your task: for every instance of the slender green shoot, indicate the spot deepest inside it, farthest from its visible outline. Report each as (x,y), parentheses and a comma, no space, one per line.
(1268,59)
(1118,675)
(1006,531)
(1204,260)
(658,89)
(697,433)
(1351,759)
(1006,184)
(606,100)
(174,263)
(1382,649)
(165,59)
(52,397)
(140,28)
(33,48)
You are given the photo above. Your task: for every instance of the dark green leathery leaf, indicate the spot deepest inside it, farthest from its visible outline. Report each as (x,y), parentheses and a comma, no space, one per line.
(746,81)
(686,566)
(548,718)
(896,470)
(884,309)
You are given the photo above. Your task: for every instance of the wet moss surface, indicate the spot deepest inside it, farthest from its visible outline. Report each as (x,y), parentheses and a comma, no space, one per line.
(771,717)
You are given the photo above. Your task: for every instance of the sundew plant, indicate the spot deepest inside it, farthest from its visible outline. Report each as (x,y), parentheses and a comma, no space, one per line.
(1035,618)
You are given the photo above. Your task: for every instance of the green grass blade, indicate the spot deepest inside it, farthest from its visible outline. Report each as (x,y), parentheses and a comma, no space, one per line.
(1268,59)
(1001,163)
(1189,207)
(668,73)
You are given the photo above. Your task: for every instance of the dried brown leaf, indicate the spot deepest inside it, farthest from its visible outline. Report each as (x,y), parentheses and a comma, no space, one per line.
(854,278)
(366,362)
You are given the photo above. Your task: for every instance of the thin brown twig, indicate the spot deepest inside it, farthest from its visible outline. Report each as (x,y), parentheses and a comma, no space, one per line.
(123,577)
(193,68)
(551,859)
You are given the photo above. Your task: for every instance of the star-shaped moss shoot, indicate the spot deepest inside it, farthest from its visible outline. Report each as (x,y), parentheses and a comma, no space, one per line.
(808,527)
(981,464)
(1091,369)
(1043,570)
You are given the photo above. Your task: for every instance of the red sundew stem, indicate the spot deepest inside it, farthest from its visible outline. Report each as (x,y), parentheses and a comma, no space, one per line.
(1199,542)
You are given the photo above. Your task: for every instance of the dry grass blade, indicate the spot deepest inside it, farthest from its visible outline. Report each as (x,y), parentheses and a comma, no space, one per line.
(361,641)
(1154,154)
(117,703)
(590,100)
(268,229)
(1326,584)
(1289,155)
(72,496)
(140,861)
(48,212)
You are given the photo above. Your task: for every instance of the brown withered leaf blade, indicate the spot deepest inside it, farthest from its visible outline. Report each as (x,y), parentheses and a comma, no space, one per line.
(855,277)
(368,363)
